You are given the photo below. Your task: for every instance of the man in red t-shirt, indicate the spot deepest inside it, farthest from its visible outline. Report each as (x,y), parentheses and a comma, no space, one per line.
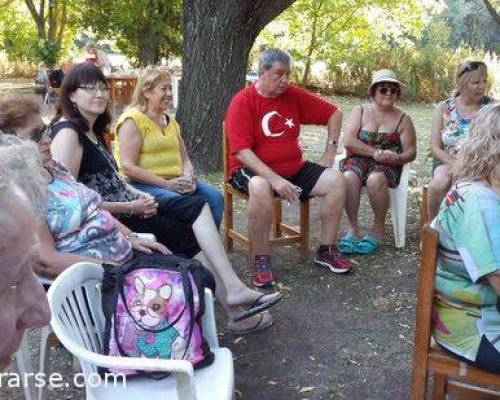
(263,126)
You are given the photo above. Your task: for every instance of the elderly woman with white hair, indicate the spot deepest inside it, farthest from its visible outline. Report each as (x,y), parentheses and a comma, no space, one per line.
(451,125)
(24,304)
(466,318)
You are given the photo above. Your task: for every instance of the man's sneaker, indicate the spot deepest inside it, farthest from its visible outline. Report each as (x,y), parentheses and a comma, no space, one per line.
(332,261)
(263,276)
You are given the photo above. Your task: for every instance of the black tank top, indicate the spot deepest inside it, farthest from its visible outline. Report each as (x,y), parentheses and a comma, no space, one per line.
(98,168)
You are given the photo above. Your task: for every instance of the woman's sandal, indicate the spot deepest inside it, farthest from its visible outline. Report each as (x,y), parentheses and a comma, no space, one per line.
(259,306)
(347,244)
(263,321)
(367,245)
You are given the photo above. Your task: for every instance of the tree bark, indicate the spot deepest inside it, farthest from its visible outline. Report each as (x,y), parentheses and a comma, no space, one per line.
(218,36)
(494,13)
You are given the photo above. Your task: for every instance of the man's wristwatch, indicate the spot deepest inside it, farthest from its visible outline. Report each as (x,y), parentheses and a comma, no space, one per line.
(333,141)
(131,235)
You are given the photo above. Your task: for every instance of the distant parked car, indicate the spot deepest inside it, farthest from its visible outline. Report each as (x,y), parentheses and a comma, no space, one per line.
(252,77)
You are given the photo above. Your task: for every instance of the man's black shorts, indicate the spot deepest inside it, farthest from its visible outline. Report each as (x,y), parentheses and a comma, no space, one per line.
(306,179)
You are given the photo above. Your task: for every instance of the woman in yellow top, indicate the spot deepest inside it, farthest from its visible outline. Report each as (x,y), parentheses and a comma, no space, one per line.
(150,150)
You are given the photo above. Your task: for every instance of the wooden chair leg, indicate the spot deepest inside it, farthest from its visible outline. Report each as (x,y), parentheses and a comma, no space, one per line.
(439,387)
(304,229)
(228,221)
(277,218)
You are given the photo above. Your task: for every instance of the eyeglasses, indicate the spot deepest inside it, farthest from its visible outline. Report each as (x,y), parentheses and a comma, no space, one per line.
(388,89)
(38,133)
(470,66)
(92,90)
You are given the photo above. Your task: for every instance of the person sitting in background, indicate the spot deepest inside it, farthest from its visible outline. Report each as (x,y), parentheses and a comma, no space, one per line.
(451,125)
(380,138)
(97,57)
(263,124)
(466,317)
(149,146)
(24,304)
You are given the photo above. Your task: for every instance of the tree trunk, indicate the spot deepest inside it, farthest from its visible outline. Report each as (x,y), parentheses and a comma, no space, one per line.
(147,50)
(494,13)
(310,49)
(218,36)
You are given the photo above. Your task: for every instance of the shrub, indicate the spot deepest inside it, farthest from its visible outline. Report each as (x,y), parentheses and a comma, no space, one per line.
(428,72)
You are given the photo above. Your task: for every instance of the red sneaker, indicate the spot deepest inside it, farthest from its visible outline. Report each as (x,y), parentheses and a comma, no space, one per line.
(263,276)
(332,261)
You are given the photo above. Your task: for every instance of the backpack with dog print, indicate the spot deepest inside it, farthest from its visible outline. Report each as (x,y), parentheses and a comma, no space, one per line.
(153,306)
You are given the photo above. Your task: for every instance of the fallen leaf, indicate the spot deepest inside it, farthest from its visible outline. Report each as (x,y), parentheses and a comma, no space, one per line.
(273,383)
(306,389)
(239,340)
(312,358)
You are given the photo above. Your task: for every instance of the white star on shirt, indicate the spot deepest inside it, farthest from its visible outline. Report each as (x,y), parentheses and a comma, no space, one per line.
(289,123)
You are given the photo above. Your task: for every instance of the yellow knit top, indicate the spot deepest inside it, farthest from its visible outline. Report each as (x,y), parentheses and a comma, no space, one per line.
(160,152)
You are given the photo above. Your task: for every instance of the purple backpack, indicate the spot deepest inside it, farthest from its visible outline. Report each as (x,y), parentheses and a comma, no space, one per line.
(153,306)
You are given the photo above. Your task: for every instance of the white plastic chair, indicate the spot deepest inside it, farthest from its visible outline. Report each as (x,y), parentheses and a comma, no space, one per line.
(78,322)
(398,203)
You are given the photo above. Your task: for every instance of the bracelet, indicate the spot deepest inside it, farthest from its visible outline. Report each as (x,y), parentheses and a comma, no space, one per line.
(131,235)
(130,208)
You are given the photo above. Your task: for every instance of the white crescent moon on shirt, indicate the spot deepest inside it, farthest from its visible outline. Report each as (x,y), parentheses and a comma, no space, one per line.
(265,125)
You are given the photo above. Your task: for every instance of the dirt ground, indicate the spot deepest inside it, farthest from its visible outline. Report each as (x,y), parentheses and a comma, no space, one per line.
(334,336)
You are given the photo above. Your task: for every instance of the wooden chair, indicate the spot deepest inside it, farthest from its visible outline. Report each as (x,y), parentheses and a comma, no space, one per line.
(428,359)
(424,208)
(108,139)
(283,234)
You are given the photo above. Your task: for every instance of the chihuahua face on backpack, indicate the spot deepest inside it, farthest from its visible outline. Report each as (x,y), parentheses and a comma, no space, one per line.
(149,304)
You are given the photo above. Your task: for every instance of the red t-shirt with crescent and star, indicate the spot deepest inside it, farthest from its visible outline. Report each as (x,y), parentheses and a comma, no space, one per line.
(270,127)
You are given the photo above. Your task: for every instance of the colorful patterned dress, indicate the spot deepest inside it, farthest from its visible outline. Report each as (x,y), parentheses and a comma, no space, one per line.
(363,166)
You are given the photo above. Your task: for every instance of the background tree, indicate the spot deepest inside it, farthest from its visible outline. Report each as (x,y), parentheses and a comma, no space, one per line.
(471,24)
(36,30)
(218,36)
(330,22)
(50,18)
(145,30)
(490,6)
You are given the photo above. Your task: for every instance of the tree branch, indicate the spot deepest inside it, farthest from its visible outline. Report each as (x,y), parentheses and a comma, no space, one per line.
(494,14)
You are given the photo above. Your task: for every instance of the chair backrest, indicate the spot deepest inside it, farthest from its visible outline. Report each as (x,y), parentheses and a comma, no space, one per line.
(425,299)
(77,318)
(108,139)
(424,207)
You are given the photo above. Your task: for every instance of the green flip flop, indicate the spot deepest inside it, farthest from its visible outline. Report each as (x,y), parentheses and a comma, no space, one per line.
(367,245)
(348,244)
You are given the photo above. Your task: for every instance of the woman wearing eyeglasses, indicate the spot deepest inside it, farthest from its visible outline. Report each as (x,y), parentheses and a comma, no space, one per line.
(379,139)
(451,124)
(183,224)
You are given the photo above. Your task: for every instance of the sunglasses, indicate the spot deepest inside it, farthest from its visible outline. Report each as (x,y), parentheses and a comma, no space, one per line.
(38,133)
(470,66)
(388,89)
